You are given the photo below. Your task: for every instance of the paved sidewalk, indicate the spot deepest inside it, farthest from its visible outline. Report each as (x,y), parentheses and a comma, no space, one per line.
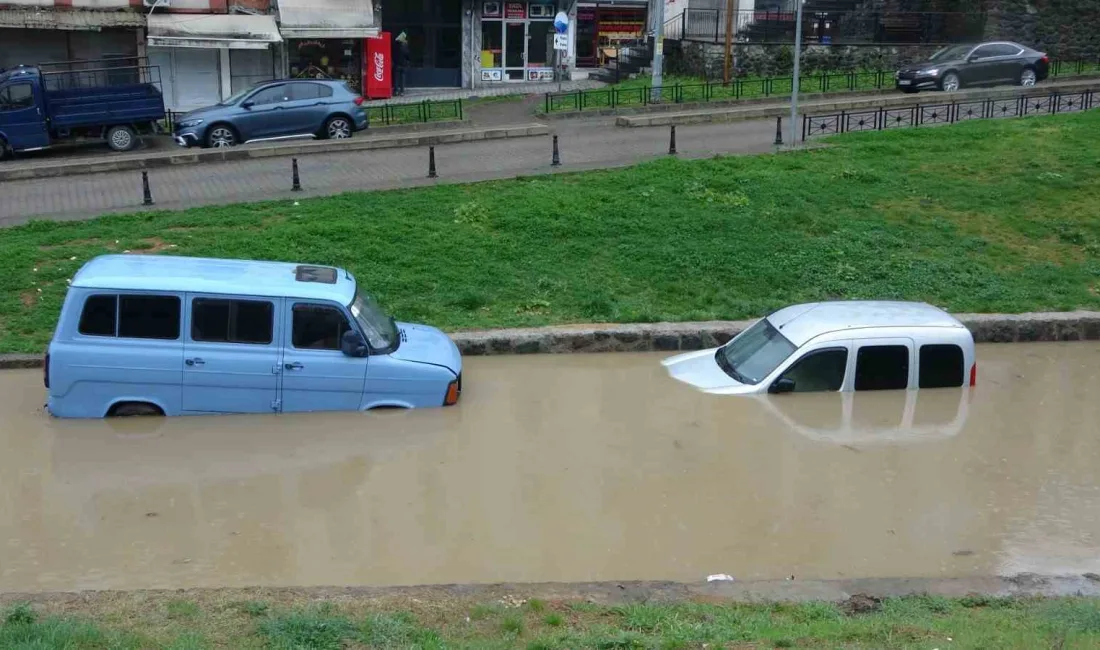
(585,145)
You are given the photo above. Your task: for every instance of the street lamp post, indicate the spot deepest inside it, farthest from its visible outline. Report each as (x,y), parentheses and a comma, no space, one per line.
(794,79)
(658,47)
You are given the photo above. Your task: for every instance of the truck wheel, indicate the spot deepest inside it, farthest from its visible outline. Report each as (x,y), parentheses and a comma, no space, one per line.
(121,138)
(5,153)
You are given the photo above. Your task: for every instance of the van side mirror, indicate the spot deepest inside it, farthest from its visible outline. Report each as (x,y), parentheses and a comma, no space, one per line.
(352,344)
(781,385)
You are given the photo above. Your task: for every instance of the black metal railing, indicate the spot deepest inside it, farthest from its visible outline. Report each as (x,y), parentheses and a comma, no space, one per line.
(749,88)
(880,119)
(420,112)
(829,27)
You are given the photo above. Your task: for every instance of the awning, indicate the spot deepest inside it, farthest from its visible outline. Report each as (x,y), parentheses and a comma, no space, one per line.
(327,19)
(70,20)
(231,31)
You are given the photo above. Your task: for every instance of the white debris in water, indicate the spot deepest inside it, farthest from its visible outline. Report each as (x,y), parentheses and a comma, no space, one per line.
(720,577)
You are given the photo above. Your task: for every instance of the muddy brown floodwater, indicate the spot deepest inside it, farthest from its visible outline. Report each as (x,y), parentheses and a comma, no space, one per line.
(568,468)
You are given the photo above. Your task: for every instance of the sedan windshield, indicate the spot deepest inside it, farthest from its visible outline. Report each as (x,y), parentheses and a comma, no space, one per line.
(379,327)
(951,53)
(236,97)
(753,355)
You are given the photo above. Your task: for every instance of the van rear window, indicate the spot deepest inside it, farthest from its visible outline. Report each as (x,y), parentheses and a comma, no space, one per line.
(132,317)
(941,366)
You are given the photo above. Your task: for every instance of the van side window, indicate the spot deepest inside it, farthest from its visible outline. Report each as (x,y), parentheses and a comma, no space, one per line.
(882,367)
(99,316)
(821,370)
(318,327)
(149,317)
(232,321)
(941,366)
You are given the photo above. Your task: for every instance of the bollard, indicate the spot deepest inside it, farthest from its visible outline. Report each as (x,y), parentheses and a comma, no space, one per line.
(146,193)
(672,141)
(779,130)
(555,160)
(296,180)
(431,163)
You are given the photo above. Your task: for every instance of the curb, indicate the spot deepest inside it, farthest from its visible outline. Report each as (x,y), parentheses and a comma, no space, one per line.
(739,112)
(682,337)
(191,157)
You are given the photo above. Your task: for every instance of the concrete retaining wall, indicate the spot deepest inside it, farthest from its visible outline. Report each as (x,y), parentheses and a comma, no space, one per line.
(673,337)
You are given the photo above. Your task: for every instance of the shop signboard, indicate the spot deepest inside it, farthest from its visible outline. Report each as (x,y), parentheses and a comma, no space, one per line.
(515,10)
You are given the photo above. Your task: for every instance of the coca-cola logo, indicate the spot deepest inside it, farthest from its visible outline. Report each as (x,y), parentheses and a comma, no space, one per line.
(379,66)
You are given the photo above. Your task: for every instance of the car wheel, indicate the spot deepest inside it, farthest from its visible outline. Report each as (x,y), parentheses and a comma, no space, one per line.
(338,128)
(220,136)
(1028,77)
(135,409)
(121,138)
(950,82)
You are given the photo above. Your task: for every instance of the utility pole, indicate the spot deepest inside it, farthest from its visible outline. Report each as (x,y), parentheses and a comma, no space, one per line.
(658,47)
(794,79)
(727,69)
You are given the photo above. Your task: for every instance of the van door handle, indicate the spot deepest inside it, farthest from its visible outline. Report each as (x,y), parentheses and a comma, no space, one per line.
(195,362)
(294,366)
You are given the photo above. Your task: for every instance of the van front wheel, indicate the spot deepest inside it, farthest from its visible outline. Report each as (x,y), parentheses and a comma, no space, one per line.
(134,409)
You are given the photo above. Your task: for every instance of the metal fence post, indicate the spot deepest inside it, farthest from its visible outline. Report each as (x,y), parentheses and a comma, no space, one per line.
(555,159)
(778,130)
(295,179)
(431,162)
(672,141)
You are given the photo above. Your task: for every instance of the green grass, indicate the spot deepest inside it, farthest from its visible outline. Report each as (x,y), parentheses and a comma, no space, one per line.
(438,622)
(987,216)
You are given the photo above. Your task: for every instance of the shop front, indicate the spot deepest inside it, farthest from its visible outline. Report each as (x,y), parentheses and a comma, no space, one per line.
(32,36)
(206,58)
(517,41)
(604,28)
(326,39)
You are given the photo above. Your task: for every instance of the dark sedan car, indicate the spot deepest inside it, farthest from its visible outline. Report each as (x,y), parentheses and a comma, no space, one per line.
(985,64)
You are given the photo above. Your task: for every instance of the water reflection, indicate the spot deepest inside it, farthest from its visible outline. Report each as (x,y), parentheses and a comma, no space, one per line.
(874,418)
(566,468)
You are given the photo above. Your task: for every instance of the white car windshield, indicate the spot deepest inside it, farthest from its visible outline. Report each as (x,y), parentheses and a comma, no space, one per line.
(755,353)
(379,327)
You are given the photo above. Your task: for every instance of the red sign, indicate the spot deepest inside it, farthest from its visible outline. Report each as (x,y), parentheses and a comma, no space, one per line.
(377,67)
(515,10)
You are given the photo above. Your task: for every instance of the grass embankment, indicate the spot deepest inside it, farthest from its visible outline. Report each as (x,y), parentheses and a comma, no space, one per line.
(143,622)
(989,216)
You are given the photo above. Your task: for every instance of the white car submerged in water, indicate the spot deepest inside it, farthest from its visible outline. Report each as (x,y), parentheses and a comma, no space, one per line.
(836,346)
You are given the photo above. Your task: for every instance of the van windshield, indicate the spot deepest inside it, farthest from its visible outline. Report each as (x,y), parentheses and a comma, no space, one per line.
(755,353)
(379,327)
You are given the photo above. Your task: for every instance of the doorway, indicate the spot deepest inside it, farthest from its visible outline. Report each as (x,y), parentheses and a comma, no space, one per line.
(515,51)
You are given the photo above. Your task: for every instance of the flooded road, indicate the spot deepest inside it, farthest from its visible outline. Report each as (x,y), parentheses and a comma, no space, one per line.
(568,468)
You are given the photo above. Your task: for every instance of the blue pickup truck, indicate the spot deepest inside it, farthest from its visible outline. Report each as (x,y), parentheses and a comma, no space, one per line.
(110,100)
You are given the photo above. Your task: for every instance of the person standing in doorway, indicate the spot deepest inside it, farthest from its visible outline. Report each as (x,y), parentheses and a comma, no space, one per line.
(400,63)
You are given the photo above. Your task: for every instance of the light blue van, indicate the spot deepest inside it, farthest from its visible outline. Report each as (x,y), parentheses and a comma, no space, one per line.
(160,335)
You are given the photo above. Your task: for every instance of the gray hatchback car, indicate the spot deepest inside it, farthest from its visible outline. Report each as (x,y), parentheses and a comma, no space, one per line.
(273,110)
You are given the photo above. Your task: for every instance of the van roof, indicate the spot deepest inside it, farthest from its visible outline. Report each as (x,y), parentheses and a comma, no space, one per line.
(216,276)
(802,323)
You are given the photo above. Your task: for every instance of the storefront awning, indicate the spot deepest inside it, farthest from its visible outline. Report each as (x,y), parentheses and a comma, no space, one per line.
(327,19)
(230,31)
(83,20)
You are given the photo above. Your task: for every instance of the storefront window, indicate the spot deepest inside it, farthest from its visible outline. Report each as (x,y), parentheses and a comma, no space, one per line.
(327,59)
(517,41)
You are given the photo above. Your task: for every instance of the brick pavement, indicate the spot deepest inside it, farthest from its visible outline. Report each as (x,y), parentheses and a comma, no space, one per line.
(585,145)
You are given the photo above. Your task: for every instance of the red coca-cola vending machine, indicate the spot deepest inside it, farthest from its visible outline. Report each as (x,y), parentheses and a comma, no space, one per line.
(378,67)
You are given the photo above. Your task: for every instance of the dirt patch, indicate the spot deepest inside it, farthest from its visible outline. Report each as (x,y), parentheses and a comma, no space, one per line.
(152,246)
(861,604)
(94,241)
(28,298)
